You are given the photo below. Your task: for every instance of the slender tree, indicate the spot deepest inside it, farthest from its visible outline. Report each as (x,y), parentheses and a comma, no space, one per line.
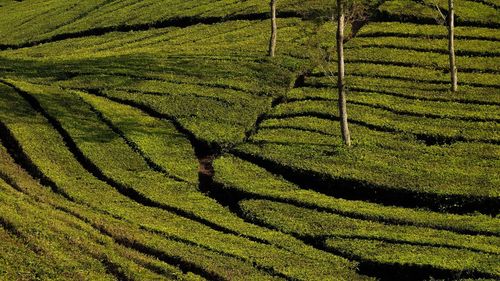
(348,12)
(346,135)
(451,45)
(274,29)
(450,24)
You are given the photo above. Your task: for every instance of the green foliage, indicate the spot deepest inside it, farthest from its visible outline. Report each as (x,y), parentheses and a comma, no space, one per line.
(124,92)
(59,17)
(169,232)
(456,261)
(468,12)
(401,104)
(72,228)
(405,9)
(247,178)
(438,249)
(213,42)
(159,140)
(403,29)
(465,47)
(423,59)
(412,74)
(385,118)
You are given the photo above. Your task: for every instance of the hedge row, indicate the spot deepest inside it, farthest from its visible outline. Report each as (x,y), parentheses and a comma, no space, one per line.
(68,249)
(159,140)
(404,105)
(467,12)
(68,17)
(39,202)
(168,75)
(462,47)
(441,130)
(397,166)
(399,88)
(233,39)
(216,251)
(426,31)
(209,120)
(422,59)
(253,181)
(414,74)
(415,246)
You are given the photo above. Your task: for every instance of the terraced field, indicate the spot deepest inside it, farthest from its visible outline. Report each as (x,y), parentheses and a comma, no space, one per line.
(154,140)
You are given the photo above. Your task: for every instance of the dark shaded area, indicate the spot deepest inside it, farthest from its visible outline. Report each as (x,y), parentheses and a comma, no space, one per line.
(114,269)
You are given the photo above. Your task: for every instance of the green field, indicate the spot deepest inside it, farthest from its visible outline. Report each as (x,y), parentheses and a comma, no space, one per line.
(155,140)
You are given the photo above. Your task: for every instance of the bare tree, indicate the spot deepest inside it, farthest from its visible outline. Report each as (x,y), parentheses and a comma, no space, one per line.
(274,29)
(451,42)
(451,46)
(348,12)
(342,103)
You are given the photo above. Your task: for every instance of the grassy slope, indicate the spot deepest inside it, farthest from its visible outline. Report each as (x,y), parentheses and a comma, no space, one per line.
(76,16)
(135,108)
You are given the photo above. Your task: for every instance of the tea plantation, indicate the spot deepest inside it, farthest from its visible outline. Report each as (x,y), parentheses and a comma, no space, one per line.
(156,140)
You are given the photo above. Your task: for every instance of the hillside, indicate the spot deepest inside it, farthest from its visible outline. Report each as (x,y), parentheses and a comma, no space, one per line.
(155,140)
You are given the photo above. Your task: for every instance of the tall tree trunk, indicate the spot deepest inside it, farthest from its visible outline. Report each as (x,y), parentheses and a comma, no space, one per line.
(274,29)
(341,69)
(451,46)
